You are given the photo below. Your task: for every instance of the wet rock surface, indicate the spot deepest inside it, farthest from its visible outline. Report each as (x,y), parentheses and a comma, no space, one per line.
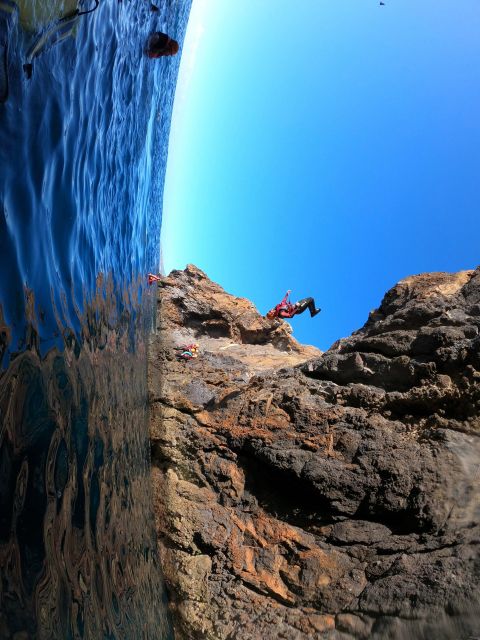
(309,495)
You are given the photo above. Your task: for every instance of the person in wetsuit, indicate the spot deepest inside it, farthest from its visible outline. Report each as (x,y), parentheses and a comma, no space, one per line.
(160,44)
(286,309)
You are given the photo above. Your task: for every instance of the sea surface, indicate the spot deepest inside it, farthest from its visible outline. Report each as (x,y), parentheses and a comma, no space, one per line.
(83,147)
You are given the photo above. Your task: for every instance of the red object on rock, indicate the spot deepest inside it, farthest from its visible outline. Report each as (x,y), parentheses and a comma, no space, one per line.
(152,278)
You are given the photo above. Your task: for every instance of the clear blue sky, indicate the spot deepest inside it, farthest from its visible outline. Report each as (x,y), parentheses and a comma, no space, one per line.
(331,147)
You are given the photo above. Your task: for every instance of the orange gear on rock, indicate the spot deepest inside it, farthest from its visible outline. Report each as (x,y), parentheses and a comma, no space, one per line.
(152,278)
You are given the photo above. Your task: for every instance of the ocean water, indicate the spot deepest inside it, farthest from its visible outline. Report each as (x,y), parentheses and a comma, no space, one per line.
(83,147)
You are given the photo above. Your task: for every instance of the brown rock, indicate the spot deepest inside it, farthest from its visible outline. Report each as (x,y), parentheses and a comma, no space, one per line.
(301,495)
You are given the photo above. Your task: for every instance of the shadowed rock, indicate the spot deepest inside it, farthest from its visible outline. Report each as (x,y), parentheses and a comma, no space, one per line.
(308,495)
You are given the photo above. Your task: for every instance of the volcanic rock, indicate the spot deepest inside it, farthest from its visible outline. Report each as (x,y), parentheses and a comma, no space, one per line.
(307,495)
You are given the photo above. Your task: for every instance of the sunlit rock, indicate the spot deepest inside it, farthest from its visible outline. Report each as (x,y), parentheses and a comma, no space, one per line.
(309,495)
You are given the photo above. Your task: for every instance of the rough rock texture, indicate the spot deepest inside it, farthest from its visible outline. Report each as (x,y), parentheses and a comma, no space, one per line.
(308,495)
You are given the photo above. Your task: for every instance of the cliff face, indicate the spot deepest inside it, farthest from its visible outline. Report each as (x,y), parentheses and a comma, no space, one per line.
(308,495)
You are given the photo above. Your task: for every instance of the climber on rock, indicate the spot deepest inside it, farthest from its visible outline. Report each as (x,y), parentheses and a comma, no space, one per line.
(287,309)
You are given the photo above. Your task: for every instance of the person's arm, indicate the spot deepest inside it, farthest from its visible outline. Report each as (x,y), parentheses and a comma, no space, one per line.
(285,299)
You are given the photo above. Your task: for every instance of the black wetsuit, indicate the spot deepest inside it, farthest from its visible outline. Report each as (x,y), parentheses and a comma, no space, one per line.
(306,303)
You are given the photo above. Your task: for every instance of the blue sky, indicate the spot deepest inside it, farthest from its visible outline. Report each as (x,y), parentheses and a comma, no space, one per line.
(331,147)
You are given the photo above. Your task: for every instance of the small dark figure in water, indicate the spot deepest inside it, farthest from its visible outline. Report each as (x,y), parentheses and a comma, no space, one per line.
(154,8)
(285,309)
(159,44)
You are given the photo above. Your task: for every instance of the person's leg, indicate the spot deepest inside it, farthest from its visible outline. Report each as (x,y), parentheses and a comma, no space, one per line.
(311,307)
(307,303)
(301,305)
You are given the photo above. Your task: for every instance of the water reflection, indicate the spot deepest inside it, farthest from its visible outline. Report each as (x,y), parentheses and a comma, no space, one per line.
(77,546)
(83,147)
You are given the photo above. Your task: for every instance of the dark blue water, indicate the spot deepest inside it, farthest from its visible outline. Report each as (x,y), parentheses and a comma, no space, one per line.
(83,147)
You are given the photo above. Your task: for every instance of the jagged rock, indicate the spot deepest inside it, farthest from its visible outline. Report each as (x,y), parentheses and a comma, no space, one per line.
(307,495)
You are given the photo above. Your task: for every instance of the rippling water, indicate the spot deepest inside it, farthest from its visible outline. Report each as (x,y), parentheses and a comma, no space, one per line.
(83,147)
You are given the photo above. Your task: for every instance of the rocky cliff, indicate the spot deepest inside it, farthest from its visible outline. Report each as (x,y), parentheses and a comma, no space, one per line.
(307,495)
